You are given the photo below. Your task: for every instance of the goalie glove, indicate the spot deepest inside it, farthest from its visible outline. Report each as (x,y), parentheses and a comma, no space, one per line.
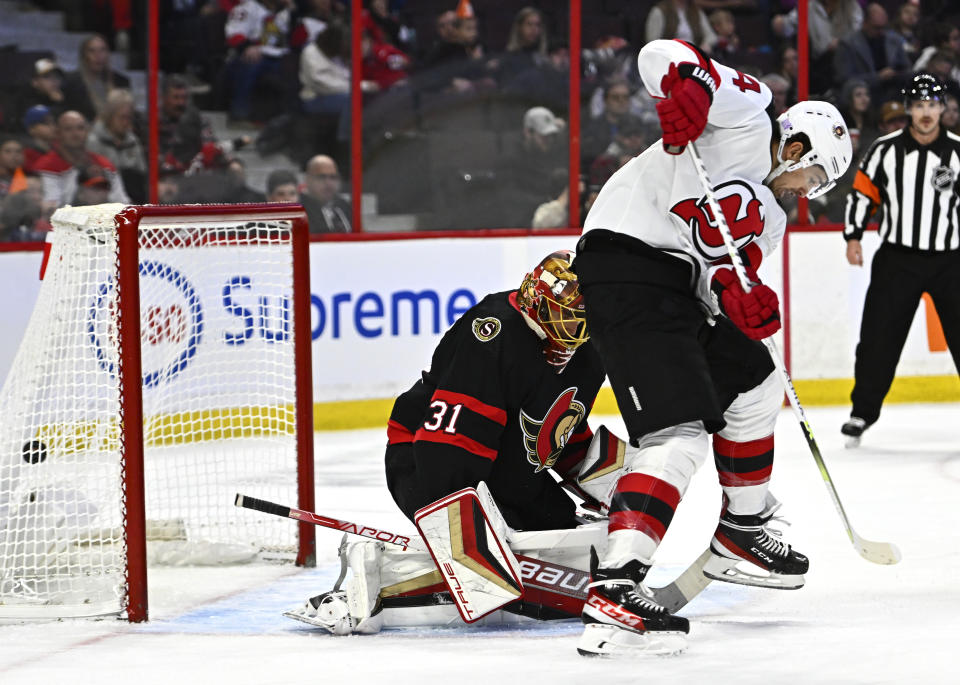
(756,313)
(688,91)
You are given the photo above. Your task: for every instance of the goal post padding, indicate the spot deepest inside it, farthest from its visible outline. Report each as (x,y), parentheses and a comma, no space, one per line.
(207,307)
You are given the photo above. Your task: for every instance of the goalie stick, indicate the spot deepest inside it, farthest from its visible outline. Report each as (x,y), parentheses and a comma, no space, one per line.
(877,552)
(561,587)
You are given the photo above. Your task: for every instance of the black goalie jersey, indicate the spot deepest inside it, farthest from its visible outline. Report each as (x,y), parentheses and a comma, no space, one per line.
(490,408)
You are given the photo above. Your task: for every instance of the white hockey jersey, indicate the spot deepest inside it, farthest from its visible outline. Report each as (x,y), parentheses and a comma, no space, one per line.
(658,198)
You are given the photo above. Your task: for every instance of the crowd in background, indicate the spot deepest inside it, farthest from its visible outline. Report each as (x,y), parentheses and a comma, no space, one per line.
(465,103)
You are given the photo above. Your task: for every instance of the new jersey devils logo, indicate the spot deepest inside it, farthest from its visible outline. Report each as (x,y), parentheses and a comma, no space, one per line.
(545,439)
(741,208)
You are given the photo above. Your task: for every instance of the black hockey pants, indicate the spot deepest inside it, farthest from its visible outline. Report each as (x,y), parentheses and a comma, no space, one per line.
(898,278)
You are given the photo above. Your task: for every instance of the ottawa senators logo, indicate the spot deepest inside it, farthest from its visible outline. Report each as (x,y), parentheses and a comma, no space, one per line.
(545,439)
(486,329)
(743,211)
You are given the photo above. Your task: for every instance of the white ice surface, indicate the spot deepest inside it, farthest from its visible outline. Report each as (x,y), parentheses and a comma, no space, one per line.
(854,622)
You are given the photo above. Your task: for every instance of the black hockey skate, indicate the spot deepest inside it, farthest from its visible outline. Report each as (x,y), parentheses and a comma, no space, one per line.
(746,552)
(620,615)
(853,429)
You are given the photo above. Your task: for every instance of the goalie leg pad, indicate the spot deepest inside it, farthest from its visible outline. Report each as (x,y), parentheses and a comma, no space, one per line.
(355,608)
(474,559)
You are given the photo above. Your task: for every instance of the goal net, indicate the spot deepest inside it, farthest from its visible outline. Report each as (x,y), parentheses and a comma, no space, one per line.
(166,367)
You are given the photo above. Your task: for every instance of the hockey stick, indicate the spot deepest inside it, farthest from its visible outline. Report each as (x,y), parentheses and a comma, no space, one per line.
(564,586)
(877,552)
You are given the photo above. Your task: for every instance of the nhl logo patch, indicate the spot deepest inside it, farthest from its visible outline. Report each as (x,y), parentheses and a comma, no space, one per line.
(486,329)
(839,131)
(942,178)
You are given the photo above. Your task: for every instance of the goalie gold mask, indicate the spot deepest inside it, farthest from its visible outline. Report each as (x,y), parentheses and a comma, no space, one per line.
(550,297)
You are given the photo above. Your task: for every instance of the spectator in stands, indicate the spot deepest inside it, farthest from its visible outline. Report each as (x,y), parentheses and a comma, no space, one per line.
(526,46)
(468,35)
(385,26)
(169,179)
(183,131)
(86,89)
(11,166)
(906,24)
(600,131)
(112,136)
(788,68)
(547,84)
(893,117)
(41,132)
(780,88)
(727,46)
(314,15)
(854,105)
(327,210)
(257,32)
(46,88)
(325,77)
(943,36)
(186,138)
(61,167)
(457,61)
(21,217)
(191,40)
(555,213)
(93,188)
(943,65)
(282,186)
(681,19)
(236,189)
(21,213)
(526,172)
(629,141)
(383,63)
(874,54)
(447,41)
(829,22)
(950,119)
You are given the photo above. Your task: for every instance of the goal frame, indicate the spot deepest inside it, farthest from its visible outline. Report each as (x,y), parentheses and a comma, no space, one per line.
(128,222)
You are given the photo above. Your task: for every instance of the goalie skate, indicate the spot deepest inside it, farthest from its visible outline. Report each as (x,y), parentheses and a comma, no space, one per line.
(744,551)
(622,618)
(329,611)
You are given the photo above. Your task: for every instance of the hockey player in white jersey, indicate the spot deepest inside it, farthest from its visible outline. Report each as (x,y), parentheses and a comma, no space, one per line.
(680,338)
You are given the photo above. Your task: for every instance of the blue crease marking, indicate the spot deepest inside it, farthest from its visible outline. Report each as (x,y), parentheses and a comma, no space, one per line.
(258,611)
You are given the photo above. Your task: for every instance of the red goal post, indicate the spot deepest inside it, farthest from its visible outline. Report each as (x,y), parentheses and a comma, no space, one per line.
(208,307)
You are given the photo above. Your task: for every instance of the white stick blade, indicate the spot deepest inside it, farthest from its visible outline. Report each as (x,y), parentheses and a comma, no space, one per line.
(877,552)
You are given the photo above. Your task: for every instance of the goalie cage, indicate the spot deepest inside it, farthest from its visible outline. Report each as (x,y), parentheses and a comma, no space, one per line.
(208,307)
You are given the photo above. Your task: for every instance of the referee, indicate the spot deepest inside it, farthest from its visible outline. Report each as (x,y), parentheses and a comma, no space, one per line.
(912,177)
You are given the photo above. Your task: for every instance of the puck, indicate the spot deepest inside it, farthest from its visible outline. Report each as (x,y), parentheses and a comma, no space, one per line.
(34,452)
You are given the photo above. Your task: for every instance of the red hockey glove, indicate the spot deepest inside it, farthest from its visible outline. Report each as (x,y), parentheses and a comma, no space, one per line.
(683,114)
(756,313)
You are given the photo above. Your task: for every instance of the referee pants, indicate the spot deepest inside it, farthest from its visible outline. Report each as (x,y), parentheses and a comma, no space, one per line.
(898,278)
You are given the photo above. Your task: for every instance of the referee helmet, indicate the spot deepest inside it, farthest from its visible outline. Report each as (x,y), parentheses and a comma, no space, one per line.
(924,86)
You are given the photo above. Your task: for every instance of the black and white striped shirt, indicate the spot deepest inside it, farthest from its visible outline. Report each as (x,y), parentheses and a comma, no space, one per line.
(916,188)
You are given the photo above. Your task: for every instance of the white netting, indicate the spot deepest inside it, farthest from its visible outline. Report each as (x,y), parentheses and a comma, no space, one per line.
(218,396)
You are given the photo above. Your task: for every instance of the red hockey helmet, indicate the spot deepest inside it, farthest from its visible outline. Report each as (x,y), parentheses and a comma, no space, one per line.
(550,297)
